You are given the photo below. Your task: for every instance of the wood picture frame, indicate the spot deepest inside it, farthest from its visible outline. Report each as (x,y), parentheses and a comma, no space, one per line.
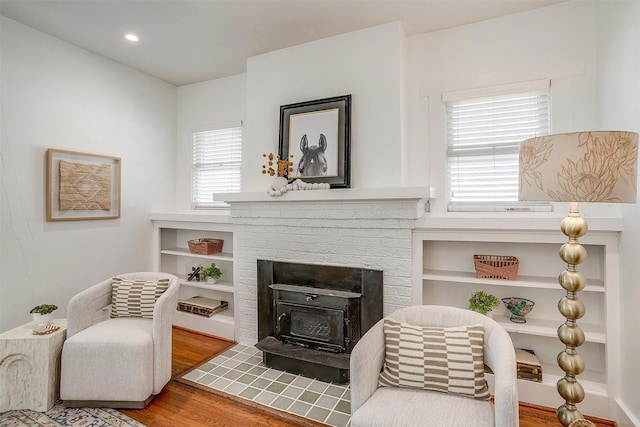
(82,186)
(316,137)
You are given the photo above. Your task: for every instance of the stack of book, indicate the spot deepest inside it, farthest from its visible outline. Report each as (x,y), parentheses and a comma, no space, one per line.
(202,306)
(529,367)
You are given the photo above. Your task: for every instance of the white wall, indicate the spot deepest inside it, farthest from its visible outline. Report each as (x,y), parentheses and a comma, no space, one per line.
(201,106)
(367,64)
(556,43)
(55,95)
(618,46)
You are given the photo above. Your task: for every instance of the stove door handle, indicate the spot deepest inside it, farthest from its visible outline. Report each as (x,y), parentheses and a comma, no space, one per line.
(279,321)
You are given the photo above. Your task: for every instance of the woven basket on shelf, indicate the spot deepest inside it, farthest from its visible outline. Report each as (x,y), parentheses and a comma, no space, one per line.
(205,246)
(502,267)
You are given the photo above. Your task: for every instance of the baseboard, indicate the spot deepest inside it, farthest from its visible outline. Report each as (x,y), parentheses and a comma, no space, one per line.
(108,403)
(625,417)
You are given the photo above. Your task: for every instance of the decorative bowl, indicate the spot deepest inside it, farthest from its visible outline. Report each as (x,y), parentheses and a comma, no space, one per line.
(518,307)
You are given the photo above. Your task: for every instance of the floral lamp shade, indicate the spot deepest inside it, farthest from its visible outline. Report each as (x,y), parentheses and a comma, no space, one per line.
(577,167)
(580,167)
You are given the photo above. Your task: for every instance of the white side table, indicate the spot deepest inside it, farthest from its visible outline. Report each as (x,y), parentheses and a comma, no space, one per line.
(30,367)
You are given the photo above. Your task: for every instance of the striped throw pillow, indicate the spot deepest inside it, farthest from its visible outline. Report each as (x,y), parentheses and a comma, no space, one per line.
(449,360)
(135,298)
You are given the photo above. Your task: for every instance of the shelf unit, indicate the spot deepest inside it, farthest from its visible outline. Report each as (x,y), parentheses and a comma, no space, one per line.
(172,255)
(444,274)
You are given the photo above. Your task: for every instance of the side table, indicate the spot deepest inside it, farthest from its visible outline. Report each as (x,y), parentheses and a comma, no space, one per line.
(30,367)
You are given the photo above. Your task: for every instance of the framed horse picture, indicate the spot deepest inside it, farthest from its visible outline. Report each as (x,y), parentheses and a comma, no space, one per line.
(315,137)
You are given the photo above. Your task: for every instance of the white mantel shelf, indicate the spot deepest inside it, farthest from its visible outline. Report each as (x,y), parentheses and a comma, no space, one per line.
(336,194)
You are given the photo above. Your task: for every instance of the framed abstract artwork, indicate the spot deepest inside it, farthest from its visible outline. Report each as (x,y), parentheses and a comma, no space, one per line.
(82,186)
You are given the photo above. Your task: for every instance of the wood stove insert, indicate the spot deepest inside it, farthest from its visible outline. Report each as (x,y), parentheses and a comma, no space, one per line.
(311,316)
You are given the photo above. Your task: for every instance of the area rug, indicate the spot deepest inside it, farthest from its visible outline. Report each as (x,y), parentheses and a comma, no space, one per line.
(240,375)
(59,415)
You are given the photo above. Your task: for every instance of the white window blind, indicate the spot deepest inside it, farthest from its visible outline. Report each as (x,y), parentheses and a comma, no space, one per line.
(484,134)
(217,157)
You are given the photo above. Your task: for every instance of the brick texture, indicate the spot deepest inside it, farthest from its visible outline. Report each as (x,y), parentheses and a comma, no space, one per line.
(375,235)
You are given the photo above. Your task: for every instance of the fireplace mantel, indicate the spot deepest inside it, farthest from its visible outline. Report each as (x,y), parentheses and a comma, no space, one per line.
(336,194)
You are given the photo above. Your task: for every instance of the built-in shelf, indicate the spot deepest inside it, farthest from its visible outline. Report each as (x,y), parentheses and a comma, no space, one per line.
(185,253)
(219,286)
(549,328)
(594,382)
(220,324)
(444,250)
(172,231)
(538,282)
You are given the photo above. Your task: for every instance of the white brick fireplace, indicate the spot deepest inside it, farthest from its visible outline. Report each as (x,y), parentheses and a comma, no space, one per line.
(355,228)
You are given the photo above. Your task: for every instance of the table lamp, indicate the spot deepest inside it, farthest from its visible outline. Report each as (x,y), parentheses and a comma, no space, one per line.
(576,167)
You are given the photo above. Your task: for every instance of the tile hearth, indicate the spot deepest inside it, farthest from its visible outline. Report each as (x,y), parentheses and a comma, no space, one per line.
(240,372)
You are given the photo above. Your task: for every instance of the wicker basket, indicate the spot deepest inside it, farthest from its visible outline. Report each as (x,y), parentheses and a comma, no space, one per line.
(205,246)
(502,267)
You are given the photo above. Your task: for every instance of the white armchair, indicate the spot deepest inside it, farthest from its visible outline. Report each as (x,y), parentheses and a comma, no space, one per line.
(373,406)
(120,362)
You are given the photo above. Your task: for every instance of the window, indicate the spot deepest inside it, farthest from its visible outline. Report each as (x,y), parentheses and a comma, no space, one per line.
(216,164)
(484,131)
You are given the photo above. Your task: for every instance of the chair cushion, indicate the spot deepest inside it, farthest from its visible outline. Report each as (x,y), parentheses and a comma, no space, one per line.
(449,360)
(134,297)
(109,361)
(402,407)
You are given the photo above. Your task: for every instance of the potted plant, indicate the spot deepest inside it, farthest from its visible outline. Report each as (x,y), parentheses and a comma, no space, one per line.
(211,274)
(43,313)
(483,302)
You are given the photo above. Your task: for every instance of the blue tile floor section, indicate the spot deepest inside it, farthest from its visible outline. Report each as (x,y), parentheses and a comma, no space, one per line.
(240,372)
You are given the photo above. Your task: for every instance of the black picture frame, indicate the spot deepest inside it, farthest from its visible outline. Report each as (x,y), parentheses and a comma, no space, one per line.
(323,127)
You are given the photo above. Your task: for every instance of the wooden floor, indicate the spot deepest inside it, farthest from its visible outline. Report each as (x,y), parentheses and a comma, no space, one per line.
(181,405)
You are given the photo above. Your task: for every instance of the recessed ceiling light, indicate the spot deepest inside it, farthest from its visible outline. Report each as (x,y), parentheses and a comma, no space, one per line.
(132,37)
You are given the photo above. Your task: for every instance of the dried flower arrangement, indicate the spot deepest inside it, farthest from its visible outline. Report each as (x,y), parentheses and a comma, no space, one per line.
(283,167)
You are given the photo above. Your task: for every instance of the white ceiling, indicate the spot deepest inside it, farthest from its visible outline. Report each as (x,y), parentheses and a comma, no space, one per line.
(189,41)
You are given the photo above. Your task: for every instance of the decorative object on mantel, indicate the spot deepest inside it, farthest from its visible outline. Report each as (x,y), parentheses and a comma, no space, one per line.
(483,302)
(281,184)
(43,313)
(211,274)
(577,167)
(298,184)
(501,267)
(283,167)
(317,134)
(519,307)
(205,246)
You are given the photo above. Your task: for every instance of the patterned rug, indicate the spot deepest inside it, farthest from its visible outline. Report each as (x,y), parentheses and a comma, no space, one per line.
(240,375)
(59,415)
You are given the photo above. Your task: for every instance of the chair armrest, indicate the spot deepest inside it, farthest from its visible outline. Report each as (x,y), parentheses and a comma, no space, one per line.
(500,357)
(366,361)
(164,309)
(163,313)
(84,308)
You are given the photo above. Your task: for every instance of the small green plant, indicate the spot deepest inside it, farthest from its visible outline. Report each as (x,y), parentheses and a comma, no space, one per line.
(44,309)
(483,302)
(212,271)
